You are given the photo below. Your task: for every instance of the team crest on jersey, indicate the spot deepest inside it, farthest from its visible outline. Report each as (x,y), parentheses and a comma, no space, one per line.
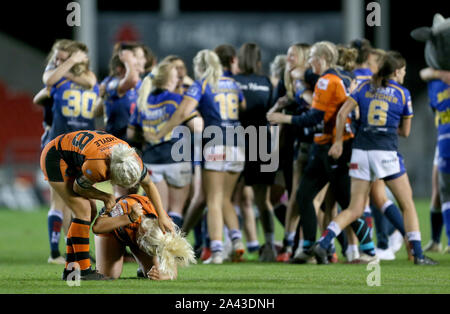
(353,166)
(193,90)
(113,84)
(322,83)
(410,108)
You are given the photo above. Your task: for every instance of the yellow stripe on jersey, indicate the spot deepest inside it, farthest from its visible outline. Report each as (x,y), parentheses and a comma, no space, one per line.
(187,96)
(401,92)
(63,82)
(358,89)
(204,86)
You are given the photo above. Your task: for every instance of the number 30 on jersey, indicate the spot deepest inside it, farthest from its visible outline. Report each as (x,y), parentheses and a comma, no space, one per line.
(79,103)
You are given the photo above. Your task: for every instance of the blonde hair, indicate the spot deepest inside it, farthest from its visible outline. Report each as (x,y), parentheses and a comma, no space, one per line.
(60,44)
(207,66)
(302,51)
(326,50)
(158,79)
(125,167)
(278,65)
(171,248)
(347,58)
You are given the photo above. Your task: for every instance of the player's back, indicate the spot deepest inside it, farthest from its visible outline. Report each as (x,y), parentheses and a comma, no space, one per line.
(218,105)
(77,147)
(381,111)
(330,93)
(362,74)
(257,91)
(73,107)
(439,93)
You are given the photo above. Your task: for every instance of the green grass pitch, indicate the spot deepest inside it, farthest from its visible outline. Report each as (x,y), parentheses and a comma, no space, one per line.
(24,269)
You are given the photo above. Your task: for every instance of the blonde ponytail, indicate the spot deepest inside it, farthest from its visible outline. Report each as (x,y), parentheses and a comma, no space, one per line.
(207,66)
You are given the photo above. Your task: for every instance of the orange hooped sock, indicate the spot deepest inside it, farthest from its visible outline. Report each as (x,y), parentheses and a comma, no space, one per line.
(77,248)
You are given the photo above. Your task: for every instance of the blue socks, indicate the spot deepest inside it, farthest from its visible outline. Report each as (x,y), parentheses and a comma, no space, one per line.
(329,234)
(177,219)
(394,216)
(415,242)
(437,221)
(54,223)
(446,218)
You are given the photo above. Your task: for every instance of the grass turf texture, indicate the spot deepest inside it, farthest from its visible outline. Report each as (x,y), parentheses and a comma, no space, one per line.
(24,269)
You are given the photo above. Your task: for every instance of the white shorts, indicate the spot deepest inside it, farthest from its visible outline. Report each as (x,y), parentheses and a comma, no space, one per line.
(177,174)
(224,158)
(370,165)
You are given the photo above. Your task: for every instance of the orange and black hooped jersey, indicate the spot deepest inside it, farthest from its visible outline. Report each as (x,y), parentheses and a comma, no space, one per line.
(329,95)
(127,234)
(88,153)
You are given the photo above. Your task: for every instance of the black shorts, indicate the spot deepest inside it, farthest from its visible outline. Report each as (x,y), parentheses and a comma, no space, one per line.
(253,174)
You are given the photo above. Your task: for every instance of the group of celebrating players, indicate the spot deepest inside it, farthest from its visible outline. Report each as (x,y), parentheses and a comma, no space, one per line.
(339,108)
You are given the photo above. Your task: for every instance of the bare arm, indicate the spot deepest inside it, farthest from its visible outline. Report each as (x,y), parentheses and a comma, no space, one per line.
(41,96)
(183,111)
(85,188)
(152,193)
(131,77)
(51,77)
(429,74)
(405,127)
(336,149)
(105,224)
(87,79)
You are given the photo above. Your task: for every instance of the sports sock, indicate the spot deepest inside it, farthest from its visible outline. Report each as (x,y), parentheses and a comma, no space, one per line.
(382,226)
(446,218)
(351,248)
(77,247)
(235,234)
(362,231)
(437,221)
(414,239)
(269,237)
(329,234)
(216,246)
(289,238)
(176,218)
(252,246)
(394,216)
(367,216)
(54,223)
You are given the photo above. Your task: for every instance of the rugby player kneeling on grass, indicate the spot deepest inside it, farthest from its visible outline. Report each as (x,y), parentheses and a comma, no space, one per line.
(133,222)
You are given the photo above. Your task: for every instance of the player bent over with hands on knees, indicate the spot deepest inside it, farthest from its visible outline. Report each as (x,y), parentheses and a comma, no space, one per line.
(385,112)
(73,163)
(133,222)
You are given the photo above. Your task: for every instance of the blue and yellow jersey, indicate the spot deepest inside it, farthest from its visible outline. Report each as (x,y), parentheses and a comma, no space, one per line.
(161,105)
(362,74)
(73,107)
(381,112)
(218,106)
(118,109)
(439,93)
